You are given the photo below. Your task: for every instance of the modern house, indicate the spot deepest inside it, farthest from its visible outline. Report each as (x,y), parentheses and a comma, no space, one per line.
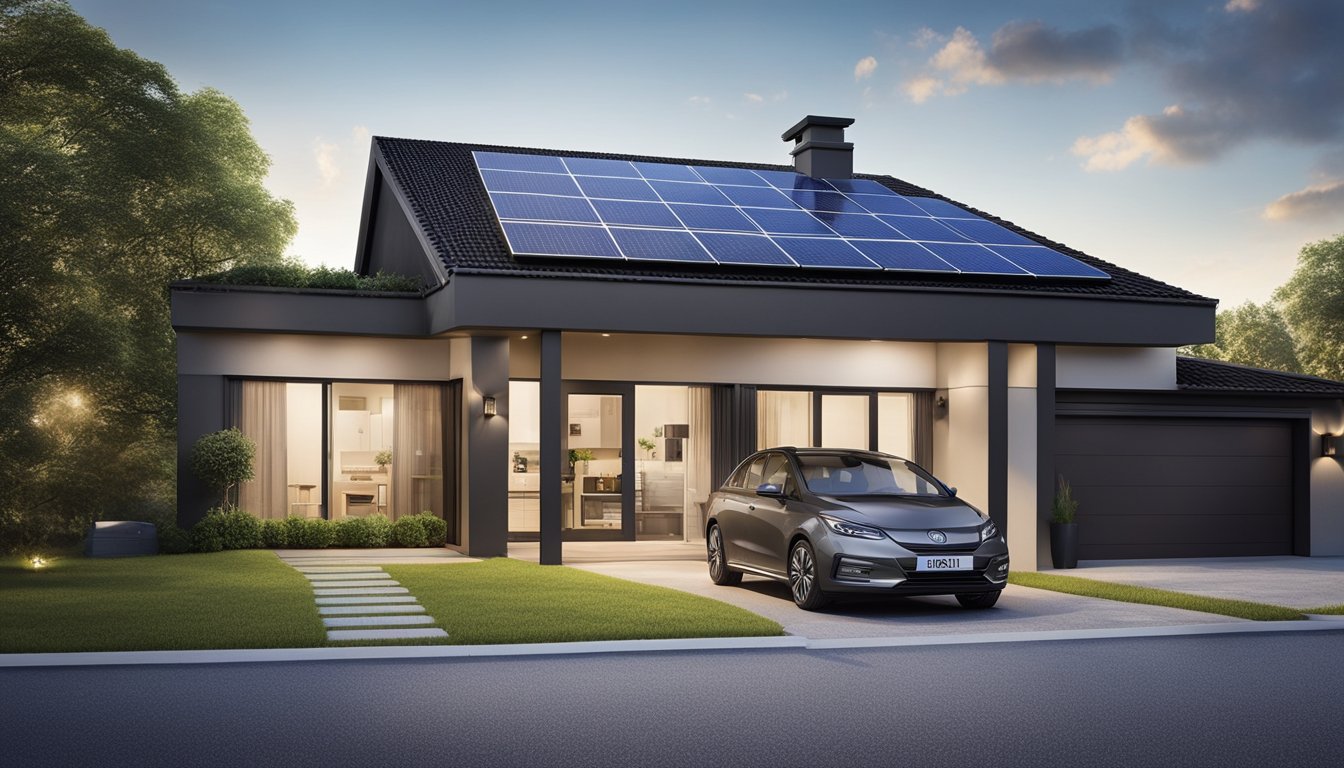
(602,337)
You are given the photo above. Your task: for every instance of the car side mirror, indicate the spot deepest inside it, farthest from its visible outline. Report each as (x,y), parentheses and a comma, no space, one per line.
(952,490)
(771,490)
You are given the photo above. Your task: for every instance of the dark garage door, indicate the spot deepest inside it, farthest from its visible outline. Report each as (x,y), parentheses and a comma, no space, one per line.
(1178,487)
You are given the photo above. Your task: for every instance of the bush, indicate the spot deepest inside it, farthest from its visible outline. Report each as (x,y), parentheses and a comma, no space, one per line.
(436,530)
(173,540)
(409,531)
(226,528)
(369,532)
(309,533)
(274,534)
(290,274)
(222,460)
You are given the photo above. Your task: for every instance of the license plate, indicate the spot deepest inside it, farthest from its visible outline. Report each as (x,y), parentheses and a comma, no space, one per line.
(950,563)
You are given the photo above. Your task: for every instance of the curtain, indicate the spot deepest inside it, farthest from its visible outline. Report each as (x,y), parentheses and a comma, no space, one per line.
(261,417)
(783,418)
(699,469)
(417,450)
(924,430)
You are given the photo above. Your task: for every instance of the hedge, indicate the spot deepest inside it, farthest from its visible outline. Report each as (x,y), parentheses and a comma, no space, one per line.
(232,528)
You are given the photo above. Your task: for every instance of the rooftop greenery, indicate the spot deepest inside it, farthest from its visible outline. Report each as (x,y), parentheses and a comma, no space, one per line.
(291,274)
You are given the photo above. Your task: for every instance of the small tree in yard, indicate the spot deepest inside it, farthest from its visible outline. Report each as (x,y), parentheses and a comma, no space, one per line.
(222,460)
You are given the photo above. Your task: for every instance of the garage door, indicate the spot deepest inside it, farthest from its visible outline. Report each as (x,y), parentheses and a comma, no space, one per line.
(1178,487)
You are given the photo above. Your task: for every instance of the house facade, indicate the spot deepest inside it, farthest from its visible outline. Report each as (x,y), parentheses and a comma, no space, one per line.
(602,338)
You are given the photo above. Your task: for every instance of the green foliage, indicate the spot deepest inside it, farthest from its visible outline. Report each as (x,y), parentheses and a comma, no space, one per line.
(372,532)
(226,528)
(173,540)
(410,531)
(646,445)
(1065,506)
(1129,593)
(1251,334)
(114,183)
(293,274)
(274,534)
(383,458)
(436,530)
(1312,301)
(223,459)
(580,454)
(309,533)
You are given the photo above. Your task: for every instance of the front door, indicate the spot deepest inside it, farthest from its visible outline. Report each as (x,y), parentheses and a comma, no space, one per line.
(598,488)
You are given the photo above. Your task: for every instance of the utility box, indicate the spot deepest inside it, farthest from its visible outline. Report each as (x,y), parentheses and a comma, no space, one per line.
(121,538)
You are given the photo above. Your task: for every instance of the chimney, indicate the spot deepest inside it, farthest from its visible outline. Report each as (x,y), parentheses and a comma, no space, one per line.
(820,149)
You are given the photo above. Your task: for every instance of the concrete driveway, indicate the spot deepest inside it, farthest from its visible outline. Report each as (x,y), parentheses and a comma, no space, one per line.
(1294,582)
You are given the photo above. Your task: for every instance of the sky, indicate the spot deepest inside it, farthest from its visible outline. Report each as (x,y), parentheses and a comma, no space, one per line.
(1200,143)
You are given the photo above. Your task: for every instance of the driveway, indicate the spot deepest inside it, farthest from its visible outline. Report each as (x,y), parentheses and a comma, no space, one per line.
(1294,582)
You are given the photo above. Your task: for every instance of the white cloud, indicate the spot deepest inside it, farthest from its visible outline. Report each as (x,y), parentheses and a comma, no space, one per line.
(1241,5)
(965,63)
(924,37)
(1319,201)
(326,154)
(361,135)
(865,68)
(754,98)
(921,88)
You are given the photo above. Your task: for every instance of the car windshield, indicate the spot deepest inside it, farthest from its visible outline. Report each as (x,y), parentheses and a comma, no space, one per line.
(839,474)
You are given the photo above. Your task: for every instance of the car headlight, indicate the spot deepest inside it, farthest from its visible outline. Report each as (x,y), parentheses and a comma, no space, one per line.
(846,528)
(989,531)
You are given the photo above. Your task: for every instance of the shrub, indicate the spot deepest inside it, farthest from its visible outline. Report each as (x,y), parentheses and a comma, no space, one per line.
(173,540)
(274,534)
(436,530)
(309,533)
(1065,506)
(222,460)
(409,531)
(370,532)
(226,528)
(290,274)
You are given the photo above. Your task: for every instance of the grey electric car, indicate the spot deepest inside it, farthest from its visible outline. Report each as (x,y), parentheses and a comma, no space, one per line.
(834,521)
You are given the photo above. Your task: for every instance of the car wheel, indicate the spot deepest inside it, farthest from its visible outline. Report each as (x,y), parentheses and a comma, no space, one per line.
(803,578)
(980,599)
(719,572)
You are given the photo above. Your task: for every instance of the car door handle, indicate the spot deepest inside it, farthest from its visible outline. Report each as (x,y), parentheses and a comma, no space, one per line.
(751,507)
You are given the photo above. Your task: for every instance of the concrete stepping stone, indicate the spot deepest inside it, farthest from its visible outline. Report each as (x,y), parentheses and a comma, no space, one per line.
(385,600)
(377,621)
(368,610)
(341,569)
(410,633)
(353,583)
(379,590)
(338,576)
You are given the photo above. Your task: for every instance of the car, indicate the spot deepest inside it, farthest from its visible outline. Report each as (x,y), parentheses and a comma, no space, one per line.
(830,522)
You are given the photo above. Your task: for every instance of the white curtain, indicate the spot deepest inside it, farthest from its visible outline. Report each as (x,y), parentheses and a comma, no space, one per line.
(783,418)
(417,450)
(699,472)
(262,419)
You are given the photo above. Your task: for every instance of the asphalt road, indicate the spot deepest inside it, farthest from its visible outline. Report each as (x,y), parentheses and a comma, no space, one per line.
(1226,700)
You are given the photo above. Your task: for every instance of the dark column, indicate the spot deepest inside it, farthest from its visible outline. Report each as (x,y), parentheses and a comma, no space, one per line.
(998,434)
(200,411)
(552,447)
(488,448)
(1045,449)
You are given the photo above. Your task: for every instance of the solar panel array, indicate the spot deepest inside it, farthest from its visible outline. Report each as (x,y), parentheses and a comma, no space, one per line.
(575,207)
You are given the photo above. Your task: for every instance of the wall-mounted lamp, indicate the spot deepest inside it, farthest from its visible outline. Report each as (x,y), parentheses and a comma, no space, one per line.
(491,409)
(940,407)
(1329,444)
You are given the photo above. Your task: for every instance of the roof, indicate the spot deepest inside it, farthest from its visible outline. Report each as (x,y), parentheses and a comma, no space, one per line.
(440,183)
(1195,374)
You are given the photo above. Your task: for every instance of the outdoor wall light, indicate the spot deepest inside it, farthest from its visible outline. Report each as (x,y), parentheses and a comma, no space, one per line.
(491,409)
(1328,444)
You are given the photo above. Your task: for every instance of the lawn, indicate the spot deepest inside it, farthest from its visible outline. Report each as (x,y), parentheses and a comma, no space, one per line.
(244,599)
(1127,593)
(510,601)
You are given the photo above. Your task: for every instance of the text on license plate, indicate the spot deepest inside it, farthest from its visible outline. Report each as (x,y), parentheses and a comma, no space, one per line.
(944,563)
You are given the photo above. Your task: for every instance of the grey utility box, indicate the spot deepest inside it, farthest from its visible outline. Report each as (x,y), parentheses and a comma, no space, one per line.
(121,538)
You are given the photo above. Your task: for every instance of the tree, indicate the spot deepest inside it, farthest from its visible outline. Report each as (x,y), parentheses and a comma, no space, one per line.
(1251,334)
(1312,302)
(222,460)
(114,184)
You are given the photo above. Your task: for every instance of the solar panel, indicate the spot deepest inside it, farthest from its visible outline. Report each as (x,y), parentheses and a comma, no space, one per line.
(552,206)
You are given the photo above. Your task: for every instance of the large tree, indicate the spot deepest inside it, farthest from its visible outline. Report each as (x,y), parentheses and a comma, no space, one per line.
(113,183)
(1251,334)
(1312,302)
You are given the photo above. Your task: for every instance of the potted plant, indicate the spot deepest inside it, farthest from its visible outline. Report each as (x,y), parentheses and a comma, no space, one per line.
(580,454)
(1063,528)
(382,459)
(646,445)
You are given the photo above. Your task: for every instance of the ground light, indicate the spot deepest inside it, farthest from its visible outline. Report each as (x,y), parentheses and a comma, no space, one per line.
(37,561)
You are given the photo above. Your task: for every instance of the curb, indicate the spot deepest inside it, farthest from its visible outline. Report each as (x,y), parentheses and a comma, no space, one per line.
(401,652)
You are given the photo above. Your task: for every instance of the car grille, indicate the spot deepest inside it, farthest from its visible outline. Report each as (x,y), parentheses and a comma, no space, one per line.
(948,580)
(941,549)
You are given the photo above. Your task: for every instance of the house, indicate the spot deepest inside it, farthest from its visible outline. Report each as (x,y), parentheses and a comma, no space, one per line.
(602,337)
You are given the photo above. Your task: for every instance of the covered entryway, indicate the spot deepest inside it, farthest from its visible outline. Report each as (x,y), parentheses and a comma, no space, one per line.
(1169,487)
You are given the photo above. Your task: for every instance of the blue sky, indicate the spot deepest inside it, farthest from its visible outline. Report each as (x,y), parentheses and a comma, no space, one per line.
(1201,143)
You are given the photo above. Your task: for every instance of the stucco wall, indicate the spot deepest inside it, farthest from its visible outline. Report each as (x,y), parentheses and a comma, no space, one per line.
(1327,484)
(1115,368)
(308,356)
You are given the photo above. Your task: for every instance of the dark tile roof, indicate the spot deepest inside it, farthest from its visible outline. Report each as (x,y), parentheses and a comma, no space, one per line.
(1196,374)
(440,181)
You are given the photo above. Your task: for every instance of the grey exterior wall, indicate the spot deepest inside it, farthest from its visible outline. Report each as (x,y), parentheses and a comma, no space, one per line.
(393,245)
(200,411)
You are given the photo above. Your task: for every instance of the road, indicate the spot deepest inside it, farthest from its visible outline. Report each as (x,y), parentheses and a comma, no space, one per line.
(1264,699)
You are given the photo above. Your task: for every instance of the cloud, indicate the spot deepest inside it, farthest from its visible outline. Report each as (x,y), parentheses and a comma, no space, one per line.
(326,154)
(754,98)
(1247,6)
(1174,137)
(921,88)
(360,134)
(924,37)
(865,68)
(1319,201)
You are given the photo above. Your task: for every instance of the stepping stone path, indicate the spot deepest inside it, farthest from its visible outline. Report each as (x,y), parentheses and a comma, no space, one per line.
(362,602)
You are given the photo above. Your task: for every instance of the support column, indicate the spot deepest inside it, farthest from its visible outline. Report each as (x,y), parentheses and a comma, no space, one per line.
(997,433)
(552,448)
(487,482)
(1045,450)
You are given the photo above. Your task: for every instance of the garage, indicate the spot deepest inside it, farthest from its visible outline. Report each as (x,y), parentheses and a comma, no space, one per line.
(1168,487)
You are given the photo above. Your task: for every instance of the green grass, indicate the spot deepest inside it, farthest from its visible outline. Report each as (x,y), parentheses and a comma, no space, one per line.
(1326,610)
(244,599)
(1127,593)
(510,601)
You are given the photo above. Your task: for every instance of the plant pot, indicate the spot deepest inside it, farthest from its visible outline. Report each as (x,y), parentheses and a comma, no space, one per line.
(1064,545)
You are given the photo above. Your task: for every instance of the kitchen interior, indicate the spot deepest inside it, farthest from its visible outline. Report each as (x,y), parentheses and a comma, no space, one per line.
(591,492)
(361,445)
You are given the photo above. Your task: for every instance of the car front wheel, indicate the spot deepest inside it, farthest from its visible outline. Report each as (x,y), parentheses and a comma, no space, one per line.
(979,600)
(719,572)
(803,578)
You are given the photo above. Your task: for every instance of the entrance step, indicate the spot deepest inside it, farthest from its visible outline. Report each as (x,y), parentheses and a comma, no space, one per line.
(377,621)
(387,600)
(416,633)
(366,610)
(379,590)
